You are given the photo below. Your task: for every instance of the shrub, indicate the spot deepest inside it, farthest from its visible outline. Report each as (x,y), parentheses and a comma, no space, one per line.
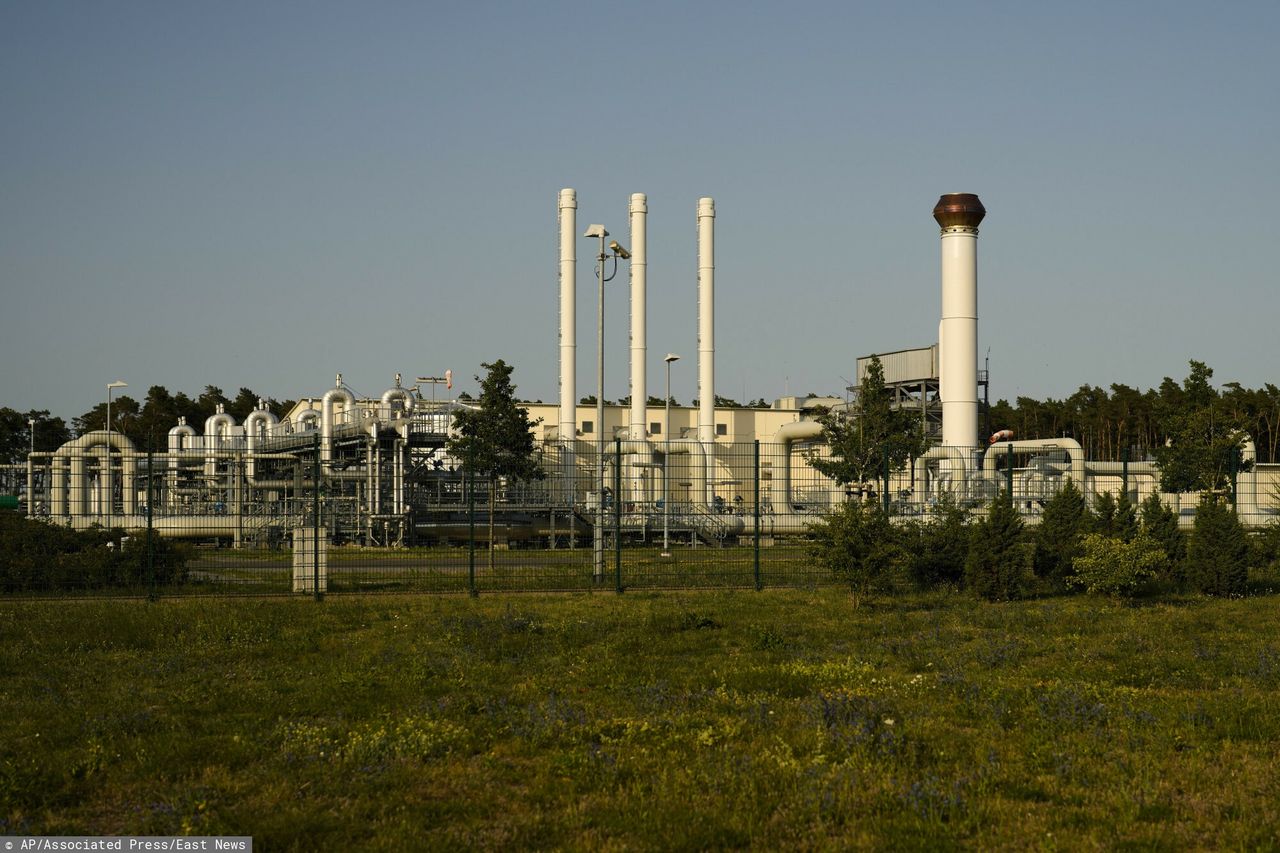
(996,562)
(1109,566)
(1065,519)
(856,543)
(35,556)
(1218,556)
(1160,524)
(1104,514)
(1125,526)
(936,546)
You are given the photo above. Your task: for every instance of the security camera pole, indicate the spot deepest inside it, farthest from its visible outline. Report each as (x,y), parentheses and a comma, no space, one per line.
(618,252)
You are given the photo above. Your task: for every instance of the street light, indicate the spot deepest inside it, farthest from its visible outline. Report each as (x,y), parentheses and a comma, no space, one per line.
(111,387)
(599,232)
(106,474)
(666,463)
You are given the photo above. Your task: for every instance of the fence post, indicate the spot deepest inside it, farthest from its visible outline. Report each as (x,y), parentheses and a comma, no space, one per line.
(884,489)
(755,502)
(1124,471)
(151,546)
(617,515)
(471,528)
(315,523)
(1009,475)
(1234,469)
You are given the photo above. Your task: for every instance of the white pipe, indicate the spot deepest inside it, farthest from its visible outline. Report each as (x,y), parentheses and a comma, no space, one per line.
(1070,445)
(257,426)
(75,451)
(706,323)
(568,219)
(639,311)
(217,429)
(778,454)
(698,460)
(181,436)
(390,396)
(957,457)
(958,215)
(307,419)
(327,422)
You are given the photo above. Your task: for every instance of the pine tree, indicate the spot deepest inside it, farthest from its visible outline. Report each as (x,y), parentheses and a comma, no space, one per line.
(1218,556)
(1065,520)
(1160,524)
(869,434)
(997,559)
(1104,514)
(495,441)
(1125,526)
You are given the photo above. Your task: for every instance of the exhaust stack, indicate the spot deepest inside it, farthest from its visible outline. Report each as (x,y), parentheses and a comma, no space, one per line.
(958,214)
(568,217)
(706,321)
(639,340)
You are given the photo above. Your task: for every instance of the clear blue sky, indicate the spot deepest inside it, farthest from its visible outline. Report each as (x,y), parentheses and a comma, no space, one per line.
(265,194)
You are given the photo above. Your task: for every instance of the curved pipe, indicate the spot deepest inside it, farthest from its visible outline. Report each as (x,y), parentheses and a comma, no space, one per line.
(181,436)
(257,426)
(327,423)
(944,451)
(393,394)
(307,419)
(1070,445)
(75,451)
(698,461)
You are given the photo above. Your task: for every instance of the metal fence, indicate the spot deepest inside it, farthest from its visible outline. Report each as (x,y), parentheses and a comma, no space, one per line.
(375,513)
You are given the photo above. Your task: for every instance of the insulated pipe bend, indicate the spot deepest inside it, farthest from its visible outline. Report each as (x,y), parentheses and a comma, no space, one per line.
(392,394)
(327,422)
(780,458)
(1070,445)
(180,437)
(257,426)
(698,459)
(75,451)
(955,454)
(306,420)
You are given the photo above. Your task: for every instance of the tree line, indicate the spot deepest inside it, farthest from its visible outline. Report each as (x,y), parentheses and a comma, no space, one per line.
(1110,423)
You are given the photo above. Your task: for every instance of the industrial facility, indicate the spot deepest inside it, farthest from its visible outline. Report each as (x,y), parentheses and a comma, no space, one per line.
(689,475)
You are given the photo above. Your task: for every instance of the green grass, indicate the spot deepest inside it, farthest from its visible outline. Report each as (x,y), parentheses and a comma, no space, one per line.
(694,720)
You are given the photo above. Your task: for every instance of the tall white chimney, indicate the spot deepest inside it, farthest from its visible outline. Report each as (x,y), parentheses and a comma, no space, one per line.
(568,216)
(639,344)
(958,214)
(706,320)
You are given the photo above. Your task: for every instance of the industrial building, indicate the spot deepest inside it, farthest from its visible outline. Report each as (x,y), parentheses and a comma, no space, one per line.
(386,476)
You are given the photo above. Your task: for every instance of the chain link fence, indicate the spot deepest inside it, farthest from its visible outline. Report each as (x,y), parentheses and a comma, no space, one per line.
(394,513)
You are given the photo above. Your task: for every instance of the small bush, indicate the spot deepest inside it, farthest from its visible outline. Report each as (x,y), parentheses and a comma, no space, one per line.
(937,546)
(1218,556)
(1066,518)
(1115,567)
(36,556)
(1160,524)
(996,563)
(856,543)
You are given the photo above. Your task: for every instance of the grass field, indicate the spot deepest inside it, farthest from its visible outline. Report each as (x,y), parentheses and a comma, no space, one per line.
(783,719)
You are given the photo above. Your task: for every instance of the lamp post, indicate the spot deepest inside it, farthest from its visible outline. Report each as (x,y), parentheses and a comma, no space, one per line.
(599,232)
(106,473)
(111,387)
(666,462)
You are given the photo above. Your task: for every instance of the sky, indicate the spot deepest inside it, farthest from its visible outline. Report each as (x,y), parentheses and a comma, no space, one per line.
(264,195)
